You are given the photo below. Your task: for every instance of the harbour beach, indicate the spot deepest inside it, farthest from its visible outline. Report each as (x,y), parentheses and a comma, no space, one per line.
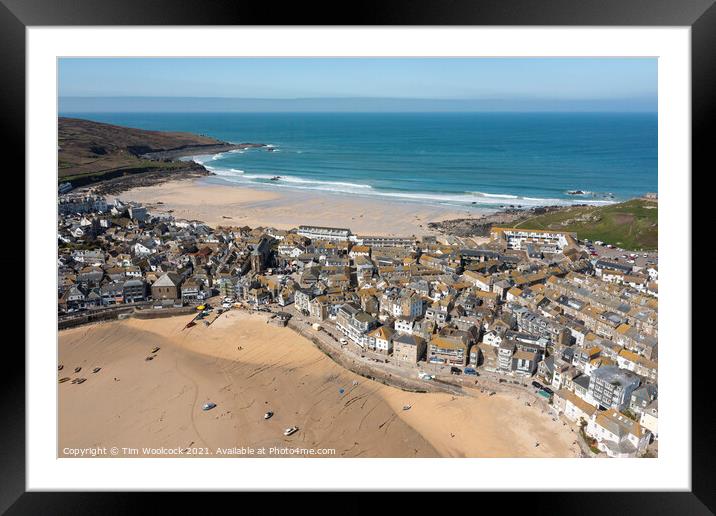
(248,367)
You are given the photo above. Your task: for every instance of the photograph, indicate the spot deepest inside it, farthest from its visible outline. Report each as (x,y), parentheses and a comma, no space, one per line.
(357,257)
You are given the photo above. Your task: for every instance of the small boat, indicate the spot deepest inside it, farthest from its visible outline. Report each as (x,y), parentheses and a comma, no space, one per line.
(407,407)
(190,324)
(275,178)
(81,380)
(78,369)
(290,431)
(208,406)
(149,358)
(154,350)
(96,369)
(65,379)
(201,307)
(268,415)
(60,367)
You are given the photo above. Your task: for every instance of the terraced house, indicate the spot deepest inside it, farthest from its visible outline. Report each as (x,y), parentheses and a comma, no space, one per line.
(617,435)
(450,350)
(355,324)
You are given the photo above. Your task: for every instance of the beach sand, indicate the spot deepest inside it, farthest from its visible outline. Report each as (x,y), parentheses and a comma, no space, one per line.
(229,205)
(248,367)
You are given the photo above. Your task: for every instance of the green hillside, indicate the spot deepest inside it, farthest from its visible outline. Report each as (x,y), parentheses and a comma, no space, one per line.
(630,225)
(89,151)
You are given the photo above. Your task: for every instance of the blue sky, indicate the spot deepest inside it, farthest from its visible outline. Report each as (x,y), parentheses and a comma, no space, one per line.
(619,83)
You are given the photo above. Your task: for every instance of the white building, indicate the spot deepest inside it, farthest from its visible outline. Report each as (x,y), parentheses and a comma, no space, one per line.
(324,233)
(492,338)
(573,406)
(381,339)
(617,435)
(406,325)
(650,418)
(383,241)
(516,238)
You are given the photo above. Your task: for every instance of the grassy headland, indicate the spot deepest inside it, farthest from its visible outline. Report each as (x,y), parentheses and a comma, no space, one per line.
(631,225)
(90,152)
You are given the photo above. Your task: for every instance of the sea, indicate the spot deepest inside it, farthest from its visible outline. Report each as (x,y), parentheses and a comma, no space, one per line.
(489,160)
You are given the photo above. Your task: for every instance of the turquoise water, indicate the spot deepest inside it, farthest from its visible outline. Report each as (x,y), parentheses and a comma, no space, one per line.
(483,159)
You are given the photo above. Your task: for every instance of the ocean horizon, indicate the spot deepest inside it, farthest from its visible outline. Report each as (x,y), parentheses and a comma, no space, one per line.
(487,160)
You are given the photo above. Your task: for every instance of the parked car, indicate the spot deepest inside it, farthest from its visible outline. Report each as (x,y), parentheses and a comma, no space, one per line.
(537,385)
(455,370)
(470,371)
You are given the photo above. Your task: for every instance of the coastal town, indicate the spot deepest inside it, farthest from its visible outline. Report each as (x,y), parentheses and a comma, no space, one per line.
(573,322)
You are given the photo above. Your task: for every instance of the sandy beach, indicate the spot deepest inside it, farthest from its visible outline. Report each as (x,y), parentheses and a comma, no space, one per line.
(248,367)
(228,205)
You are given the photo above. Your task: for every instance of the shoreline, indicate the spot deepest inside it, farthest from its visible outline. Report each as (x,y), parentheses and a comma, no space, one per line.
(218,204)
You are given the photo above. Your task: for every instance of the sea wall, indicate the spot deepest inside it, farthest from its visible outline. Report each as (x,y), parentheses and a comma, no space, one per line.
(367,371)
(138,310)
(107,314)
(157,313)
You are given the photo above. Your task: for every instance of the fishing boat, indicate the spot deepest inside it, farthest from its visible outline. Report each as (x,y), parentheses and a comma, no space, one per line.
(78,369)
(407,407)
(96,369)
(155,349)
(268,415)
(290,430)
(65,379)
(208,406)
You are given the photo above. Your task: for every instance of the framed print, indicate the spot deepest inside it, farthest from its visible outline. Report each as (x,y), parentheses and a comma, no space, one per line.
(416,250)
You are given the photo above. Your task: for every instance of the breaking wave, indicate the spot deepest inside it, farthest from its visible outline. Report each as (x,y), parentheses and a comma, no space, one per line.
(474,198)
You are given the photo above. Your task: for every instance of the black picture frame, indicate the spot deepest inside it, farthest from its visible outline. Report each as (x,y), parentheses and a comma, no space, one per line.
(17,15)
